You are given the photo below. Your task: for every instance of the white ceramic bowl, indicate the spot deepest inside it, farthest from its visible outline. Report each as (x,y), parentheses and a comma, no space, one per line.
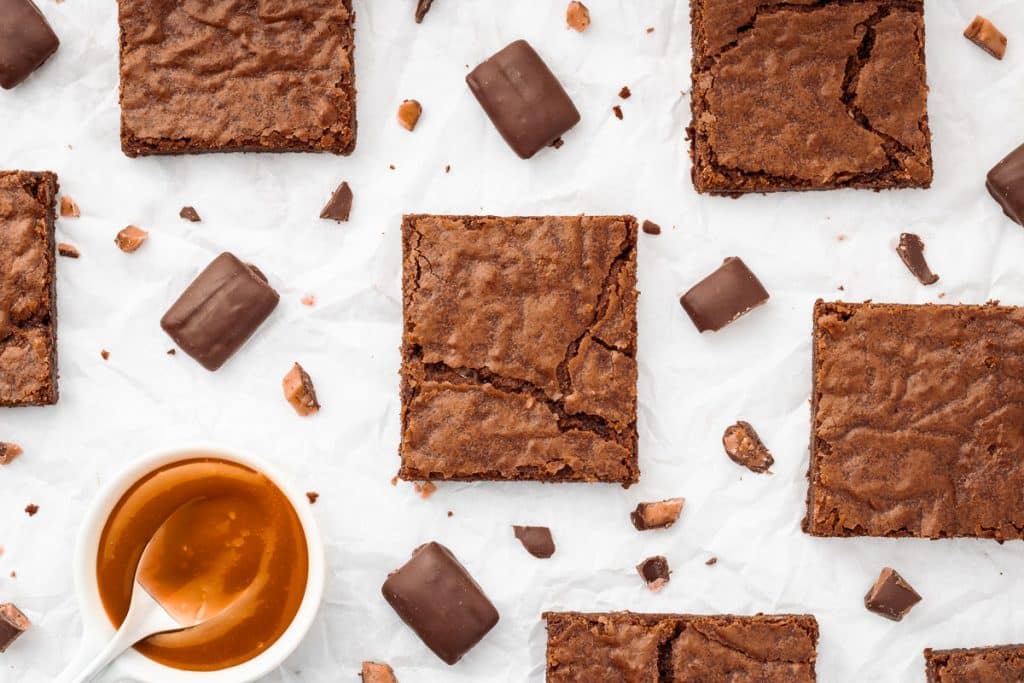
(94,619)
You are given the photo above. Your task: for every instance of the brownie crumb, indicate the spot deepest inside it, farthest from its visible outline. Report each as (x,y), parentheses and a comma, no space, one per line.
(299,391)
(308,300)
(655,572)
(394,480)
(650,29)
(651,228)
(536,539)
(104,354)
(8,452)
(744,447)
(659,515)
(376,672)
(189,214)
(130,238)
(69,208)
(171,352)
(31,509)
(426,489)
(711,561)
(625,93)
(617,110)
(312,496)
(409,112)
(68,250)
(422,7)
(985,35)
(447,168)
(557,143)
(340,204)
(451,514)
(577,16)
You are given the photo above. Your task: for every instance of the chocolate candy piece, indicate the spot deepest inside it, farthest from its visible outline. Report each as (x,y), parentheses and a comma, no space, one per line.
(220,310)
(340,205)
(911,250)
(660,515)
(985,35)
(376,672)
(744,447)
(422,7)
(12,624)
(300,392)
(891,596)
(435,595)
(1005,182)
(536,539)
(525,101)
(723,296)
(26,41)
(655,572)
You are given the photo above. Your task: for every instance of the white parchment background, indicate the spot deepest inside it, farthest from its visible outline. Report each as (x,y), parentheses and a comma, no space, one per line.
(264,208)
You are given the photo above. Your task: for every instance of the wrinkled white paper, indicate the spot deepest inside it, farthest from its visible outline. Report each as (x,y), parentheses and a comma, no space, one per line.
(265,209)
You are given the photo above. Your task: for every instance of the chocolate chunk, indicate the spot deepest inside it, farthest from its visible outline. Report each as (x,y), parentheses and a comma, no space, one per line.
(340,205)
(435,595)
(130,238)
(625,93)
(577,16)
(376,672)
(1005,182)
(985,35)
(536,539)
(409,112)
(8,452)
(422,7)
(655,572)
(744,447)
(523,98)
(26,41)
(617,110)
(220,310)
(723,296)
(31,509)
(891,596)
(189,214)
(312,496)
(911,250)
(299,391)
(12,623)
(68,250)
(68,208)
(660,515)
(651,228)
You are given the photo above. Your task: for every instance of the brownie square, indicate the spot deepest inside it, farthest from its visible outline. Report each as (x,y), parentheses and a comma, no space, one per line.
(252,77)
(28,296)
(1001,664)
(917,421)
(622,646)
(519,349)
(808,96)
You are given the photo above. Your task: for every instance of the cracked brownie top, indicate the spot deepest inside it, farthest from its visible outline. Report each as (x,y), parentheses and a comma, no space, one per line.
(519,352)
(809,94)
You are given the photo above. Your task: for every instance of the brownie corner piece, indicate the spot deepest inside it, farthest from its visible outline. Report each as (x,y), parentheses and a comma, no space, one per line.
(997,664)
(843,105)
(519,348)
(267,77)
(28,309)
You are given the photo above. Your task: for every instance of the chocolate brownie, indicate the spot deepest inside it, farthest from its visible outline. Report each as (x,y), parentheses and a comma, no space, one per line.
(519,350)
(917,421)
(28,297)
(1002,664)
(680,648)
(237,76)
(808,95)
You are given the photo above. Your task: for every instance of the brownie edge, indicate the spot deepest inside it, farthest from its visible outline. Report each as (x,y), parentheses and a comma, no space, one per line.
(997,664)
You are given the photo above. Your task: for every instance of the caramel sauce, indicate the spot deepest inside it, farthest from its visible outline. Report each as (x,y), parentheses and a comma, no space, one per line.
(228,550)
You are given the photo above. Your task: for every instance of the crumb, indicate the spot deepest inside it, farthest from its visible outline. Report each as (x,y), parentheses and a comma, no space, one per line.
(840,237)
(451,514)
(68,250)
(68,207)
(130,238)
(577,16)
(394,480)
(312,495)
(426,489)
(618,112)
(1,551)
(308,300)
(650,29)
(14,574)
(391,166)
(447,168)
(31,509)
(558,142)
(171,352)
(651,228)
(105,354)
(711,561)
(189,214)
(409,112)
(942,295)
(625,93)
(841,288)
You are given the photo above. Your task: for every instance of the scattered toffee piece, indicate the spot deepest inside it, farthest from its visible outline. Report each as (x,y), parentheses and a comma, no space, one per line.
(189,214)
(435,595)
(536,539)
(130,238)
(26,41)
(409,112)
(104,354)
(711,561)
(12,624)
(8,452)
(313,496)
(68,250)
(300,392)
(422,7)
(655,572)
(68,208)
(911,250)
(31,509)
(659,515)
(651,228)
(577,16)
(523,99)
(1005,182)
(340,204)
(425,489)
(723,296)
(744,447)
(625,93)
(985,35)
(617,110)
(891,596)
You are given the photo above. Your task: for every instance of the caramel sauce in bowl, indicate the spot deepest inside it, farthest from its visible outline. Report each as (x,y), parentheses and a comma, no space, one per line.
(234,547)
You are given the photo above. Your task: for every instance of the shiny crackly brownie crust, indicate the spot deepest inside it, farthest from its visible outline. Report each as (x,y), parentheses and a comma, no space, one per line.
(808,95)
(237,75)
(519,348)
(680,648)
(28,296)
(1001,664)
(917,421)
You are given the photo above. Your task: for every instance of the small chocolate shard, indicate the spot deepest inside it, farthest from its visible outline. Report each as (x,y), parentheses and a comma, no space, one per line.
(891,596)
(536,539)
(723,296)
(911,250)
(659,515)
(985,35)
(12,624)
(68,250)
(409,112)
(31,509)
(651,228)
(625,93)
(617,110)
(422,7)
(1005,182)
(377,672)
(312,496)
(130,238)
(340,205)
(26,41)
(577,16)
(189,214)
(8,452)
(744,447)
(300,392)
(655,572)
(68,208)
